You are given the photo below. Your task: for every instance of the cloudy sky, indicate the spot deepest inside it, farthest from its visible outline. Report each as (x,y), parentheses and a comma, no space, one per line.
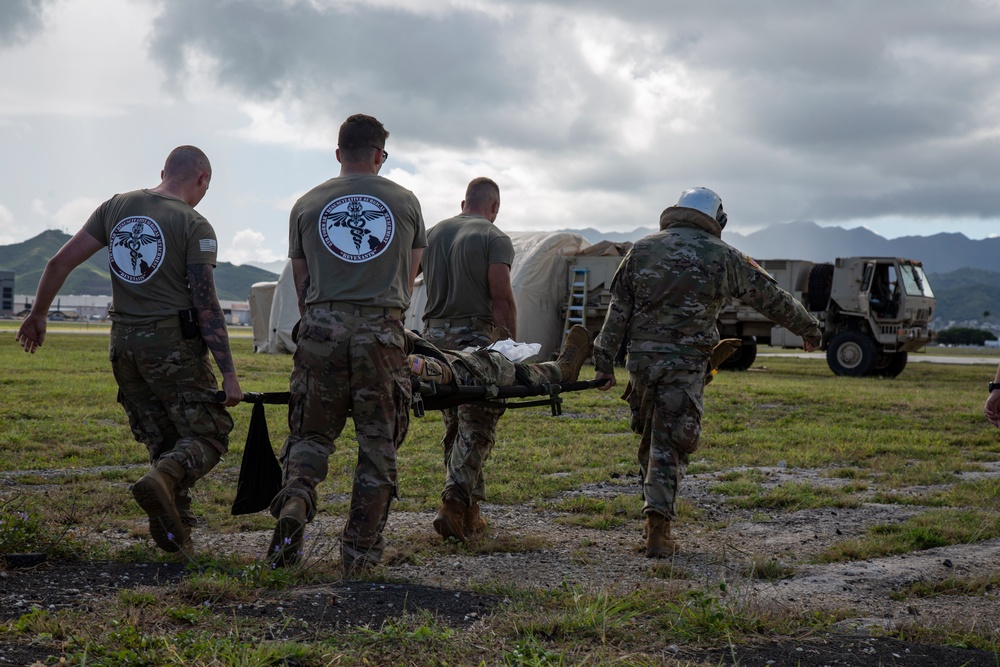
(588,113)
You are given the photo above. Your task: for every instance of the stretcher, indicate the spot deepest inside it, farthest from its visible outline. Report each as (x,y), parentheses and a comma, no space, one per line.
(260,473)
(429,395)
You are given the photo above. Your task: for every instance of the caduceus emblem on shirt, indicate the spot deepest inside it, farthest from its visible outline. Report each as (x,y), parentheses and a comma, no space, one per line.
(356,228)
(134,239)
(354,218)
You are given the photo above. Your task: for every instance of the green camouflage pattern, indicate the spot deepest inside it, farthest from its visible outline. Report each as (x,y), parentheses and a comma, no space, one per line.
(470,431)
(355,364)
(475,427)
(167,389)
(458,338)
(666,413)
(665,300)
(668,291)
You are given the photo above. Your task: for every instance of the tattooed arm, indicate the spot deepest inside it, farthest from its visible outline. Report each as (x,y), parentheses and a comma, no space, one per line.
(212,322)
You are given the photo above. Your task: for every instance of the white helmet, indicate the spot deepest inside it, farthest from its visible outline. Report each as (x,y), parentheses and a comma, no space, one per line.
(706,201)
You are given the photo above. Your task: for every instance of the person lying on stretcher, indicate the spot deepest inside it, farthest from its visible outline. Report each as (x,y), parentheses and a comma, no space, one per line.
(486,367)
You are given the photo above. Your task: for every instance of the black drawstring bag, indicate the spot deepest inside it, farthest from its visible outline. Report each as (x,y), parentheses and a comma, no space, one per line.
(260,473)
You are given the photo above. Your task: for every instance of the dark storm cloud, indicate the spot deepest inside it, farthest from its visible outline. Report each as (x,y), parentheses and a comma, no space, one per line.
(894,103)
(452,78)
(832,75)
(20,19)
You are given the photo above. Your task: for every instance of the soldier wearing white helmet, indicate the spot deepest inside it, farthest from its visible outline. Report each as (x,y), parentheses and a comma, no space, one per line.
(706,201)
(666,297)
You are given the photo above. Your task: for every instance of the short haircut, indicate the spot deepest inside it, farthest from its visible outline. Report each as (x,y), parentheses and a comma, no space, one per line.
(358,135)
(482,191)
(186,163)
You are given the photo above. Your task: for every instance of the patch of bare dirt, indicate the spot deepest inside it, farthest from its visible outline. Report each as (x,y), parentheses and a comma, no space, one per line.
(719,547)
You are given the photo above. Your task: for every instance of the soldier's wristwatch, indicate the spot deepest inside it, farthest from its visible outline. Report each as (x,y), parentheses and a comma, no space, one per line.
(994,385)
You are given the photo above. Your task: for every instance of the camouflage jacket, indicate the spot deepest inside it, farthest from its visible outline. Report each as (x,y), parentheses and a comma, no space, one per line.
(669,289)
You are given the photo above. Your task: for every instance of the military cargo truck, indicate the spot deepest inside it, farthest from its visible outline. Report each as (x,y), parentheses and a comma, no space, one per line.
(873,311)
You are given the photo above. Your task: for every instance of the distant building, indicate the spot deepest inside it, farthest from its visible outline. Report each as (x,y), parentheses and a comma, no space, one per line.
(6,293)
(95,308)
(237,312)
(85,307)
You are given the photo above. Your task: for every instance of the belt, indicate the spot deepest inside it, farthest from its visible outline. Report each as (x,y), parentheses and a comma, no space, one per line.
(169,323)
(355,309)
(474,322)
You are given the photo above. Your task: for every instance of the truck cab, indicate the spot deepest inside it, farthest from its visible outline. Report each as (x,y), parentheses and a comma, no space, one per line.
(878,312)
(873,311)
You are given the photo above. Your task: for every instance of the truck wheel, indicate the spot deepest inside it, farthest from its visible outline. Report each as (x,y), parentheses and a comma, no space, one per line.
(889,364)
(743,358)
(819,285)
(851,353)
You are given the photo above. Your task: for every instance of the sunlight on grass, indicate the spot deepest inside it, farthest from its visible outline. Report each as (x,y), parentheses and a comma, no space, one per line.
(925,531)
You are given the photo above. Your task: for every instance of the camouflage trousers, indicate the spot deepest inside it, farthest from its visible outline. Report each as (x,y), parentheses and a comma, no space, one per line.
(346,363)
(167,388)
(470,429)
(666,410)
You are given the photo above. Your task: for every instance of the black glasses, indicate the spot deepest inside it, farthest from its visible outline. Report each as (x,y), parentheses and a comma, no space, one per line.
(385,153)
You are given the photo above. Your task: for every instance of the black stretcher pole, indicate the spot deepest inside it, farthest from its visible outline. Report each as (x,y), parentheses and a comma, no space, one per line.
(434,396)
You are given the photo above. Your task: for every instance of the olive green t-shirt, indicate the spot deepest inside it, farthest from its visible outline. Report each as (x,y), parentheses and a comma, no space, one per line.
(456,265)
(151,240)
(356,233)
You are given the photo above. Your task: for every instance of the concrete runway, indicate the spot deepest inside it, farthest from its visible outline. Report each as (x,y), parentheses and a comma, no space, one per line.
(913,358)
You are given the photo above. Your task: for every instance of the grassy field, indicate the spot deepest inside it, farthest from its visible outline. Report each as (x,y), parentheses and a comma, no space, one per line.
(65,441)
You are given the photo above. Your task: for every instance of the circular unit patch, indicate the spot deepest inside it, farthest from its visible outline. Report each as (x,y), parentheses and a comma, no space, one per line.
(137,249)
(356,228)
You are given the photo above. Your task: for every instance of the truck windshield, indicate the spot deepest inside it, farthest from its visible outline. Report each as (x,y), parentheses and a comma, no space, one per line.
(914,281)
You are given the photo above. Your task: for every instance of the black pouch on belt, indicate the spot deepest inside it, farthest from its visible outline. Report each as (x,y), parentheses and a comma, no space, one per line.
(189,323)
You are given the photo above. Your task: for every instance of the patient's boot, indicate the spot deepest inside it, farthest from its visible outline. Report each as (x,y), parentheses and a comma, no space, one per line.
(575,350)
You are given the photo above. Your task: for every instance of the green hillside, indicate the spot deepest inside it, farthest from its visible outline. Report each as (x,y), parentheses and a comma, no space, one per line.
(27,261)
(233,282)
(966,294)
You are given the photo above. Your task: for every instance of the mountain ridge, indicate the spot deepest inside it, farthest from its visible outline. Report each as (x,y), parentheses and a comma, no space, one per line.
(960,269)
(940,253)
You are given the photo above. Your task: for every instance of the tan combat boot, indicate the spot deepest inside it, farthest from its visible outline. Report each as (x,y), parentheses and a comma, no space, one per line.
(286,543)
(472,522)
(450,520)
(575,351)
(183,501)
(155,494)
(659,543)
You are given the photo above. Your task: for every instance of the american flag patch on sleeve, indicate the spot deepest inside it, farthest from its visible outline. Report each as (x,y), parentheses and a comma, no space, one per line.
(207,245)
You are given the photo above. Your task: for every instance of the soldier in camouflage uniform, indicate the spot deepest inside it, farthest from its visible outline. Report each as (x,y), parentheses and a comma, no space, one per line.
(355,243)
(165,318)
(478,369)
(470,303)
(666,298)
